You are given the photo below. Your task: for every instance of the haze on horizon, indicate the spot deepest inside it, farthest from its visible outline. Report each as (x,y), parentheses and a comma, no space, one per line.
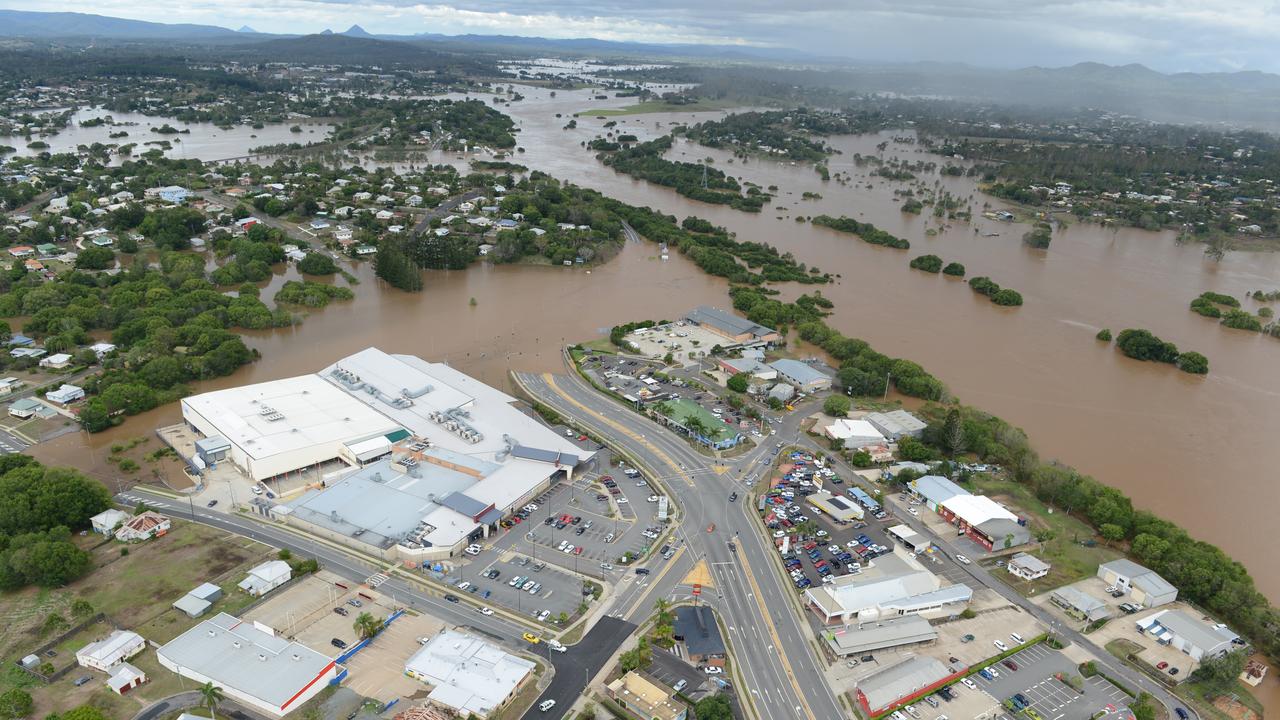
(1166,35)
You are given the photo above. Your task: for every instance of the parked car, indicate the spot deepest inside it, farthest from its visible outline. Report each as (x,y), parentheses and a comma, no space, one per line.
(338,643)
(341,611)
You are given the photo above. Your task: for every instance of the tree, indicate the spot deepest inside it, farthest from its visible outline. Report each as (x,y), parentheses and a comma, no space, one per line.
(1143,708)
(81,609)
(861,459)
(1111,533)
(1193,362)
(912,450)
(953,432)
(15,703)
(317,264)
(84,712)
(637,658)
(1218,675)
(1039,236)
(954,269)
(1143,345)
(210,697)
(1104,335)
(95,258)
(739,382)
(837,405)
(714,707)
(366,625)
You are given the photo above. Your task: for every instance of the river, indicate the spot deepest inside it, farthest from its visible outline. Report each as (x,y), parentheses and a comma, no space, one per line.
(1193,449)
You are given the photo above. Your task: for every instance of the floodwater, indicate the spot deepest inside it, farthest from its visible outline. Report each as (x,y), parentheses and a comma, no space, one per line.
(206,141)
(1194,449)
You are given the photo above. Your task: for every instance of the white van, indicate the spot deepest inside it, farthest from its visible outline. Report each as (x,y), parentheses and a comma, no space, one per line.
(1016,638)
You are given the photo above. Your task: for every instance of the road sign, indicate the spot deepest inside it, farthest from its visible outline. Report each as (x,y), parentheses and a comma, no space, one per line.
(697,589)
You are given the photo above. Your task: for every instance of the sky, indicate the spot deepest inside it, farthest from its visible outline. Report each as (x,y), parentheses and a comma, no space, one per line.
(1167,35)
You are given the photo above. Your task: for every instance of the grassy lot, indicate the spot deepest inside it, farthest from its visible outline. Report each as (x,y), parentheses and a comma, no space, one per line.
(135,591)
(658,106)
(1071,561)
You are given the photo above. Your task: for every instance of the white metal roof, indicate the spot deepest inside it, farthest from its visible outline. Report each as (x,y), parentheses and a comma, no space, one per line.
(308,412)
(977,509)
(468,673)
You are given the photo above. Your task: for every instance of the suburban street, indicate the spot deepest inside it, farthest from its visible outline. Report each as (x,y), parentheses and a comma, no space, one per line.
(781,672)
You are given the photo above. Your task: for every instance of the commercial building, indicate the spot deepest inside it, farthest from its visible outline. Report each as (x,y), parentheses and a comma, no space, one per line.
(985,521)
(1143,585)
(266,577)
(896,424)
(697,628)
(899,684)
(803,376)
(1080,604)
(1200,640)
(834,506)
(249,663)
(758,371)
(871,609)
(1027,567)
(863,498)
(645,698)
(933,490)
(736,331)
(907,537)
(110,651)
(468,675)
(105,522)
(356,411)
(695,421)
(143,526)
(854,433)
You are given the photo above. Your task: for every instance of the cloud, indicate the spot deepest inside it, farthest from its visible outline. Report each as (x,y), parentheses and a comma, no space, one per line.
(1165,34)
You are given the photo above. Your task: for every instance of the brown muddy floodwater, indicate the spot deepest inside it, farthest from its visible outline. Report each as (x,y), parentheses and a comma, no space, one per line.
(1194,449)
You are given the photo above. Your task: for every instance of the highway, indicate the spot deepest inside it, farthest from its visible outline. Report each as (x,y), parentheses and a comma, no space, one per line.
(775,657)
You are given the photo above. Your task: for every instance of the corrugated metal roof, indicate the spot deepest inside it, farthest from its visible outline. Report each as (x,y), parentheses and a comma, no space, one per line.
(884,687)
(546,456)
(464,505)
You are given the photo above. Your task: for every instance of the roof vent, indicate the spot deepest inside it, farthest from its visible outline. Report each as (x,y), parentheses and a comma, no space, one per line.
(296,657)
(262,658)
(212,633)
(235,643)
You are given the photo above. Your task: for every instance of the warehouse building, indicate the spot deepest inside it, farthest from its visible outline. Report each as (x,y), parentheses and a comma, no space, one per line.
(1143,585)
(803,376)
(896,424)
(468,675)
(933,490)
(854,433)
(985,521)
(899,684)
(1194,637)
(249,663)
(736,331)
(357,410)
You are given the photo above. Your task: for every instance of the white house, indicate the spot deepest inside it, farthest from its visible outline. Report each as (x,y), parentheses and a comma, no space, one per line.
(1027,567)
(65,395)
(56,362)
(112,650)
(105,522)
(143,526)
(266,577)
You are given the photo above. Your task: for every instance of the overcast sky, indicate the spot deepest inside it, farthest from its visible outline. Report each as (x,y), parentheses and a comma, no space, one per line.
(1168,35)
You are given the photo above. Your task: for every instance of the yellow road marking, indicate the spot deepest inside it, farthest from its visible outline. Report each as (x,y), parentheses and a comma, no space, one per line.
(777,641)
(699,575)
(720,469)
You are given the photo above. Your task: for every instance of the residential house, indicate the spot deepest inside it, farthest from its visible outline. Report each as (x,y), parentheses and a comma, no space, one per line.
(110,651)
(65,395)
(9,384)
(105,522)
(1027,567)
(24,408)
(266,577)
(143,526)
(56,362)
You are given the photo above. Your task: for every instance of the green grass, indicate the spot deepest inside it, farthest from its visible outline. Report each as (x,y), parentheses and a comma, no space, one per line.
(658,106)
(1071,561)
(683,409)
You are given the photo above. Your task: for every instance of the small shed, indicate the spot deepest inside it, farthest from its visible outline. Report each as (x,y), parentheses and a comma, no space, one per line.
(124,678)
(213,449)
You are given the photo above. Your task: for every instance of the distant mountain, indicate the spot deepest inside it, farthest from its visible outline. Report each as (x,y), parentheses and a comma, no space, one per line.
(246,29)
(18,23)
(356,31)
(326,31)
(341,49)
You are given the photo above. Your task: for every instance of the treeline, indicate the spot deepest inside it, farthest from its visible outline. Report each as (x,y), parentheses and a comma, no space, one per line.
(780,133)
(40,508)
(645,161)
(1143,345)
(1001,296)
(1227,309)
(863,371)
(868,232)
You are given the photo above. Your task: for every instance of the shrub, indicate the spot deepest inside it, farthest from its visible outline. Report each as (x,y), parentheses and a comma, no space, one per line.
(1007,297)
(954,269)
(1193,362)
(1039,236)
(837,405)
(928,263)
(1104,335)
(1142,345)
(983,284)
(1241,320)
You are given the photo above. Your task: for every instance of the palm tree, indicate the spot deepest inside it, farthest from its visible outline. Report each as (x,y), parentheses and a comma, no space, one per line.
(210,697)
(366,625)
(662,606)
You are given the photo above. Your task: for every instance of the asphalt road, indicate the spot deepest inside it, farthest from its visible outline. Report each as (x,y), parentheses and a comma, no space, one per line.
(781,672)
(575,668)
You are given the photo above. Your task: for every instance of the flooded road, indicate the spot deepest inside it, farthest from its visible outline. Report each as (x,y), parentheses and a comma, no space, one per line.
(1194,449)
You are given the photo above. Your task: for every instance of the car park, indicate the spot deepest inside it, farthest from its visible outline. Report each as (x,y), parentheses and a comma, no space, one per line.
(1000,646)
(338,643)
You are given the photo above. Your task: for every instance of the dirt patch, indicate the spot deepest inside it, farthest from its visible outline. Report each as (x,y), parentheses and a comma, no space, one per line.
(1235,709)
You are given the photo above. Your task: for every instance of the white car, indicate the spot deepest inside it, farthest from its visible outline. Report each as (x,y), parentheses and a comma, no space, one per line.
(472,550)
(992,669)
(713,670)
(1111,588)
(567,549)
(563,544)
(486,611)
(606,566)
(820,533)
(653,498)
(962,559)
(542,616)
(623,501)
(608,538)
(546,705)
(834,549)
(779,534)
(1000,646)
(914,512)
(969,683)
(464,584)
(828,579)
(558,647)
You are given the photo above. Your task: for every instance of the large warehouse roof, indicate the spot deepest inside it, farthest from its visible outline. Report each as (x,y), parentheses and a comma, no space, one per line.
(281,416)
(977,509)
(242,657)
(434,401)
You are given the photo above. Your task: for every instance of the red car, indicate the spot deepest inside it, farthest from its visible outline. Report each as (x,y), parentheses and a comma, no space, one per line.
(1161,666)
(582,437)
(577,550)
